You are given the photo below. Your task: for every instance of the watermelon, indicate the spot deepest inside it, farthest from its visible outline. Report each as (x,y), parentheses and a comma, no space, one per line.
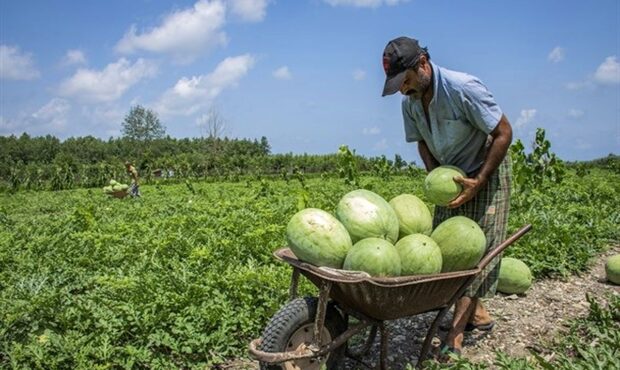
(107,189)
(113,182)
(376,256)
(413,215)
(461,241)
(317,237)
(366,214)
(419,254)
(514,276)
(612,269)
(440,187)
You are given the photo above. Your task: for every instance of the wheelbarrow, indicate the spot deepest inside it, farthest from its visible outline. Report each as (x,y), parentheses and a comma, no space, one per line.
(312,332)
(120,194)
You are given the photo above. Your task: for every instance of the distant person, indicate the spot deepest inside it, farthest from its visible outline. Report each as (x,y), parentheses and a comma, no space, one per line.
(455,121)
(134,189)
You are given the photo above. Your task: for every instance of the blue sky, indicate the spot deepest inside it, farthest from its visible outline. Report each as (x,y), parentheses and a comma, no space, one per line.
(305,73)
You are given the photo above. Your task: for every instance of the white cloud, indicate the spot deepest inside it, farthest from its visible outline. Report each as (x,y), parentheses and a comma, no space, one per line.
(282,73)
(51,118)
(105,118)
(15,65)
(53,114)
(608,73)
(580,85)
(364,3)
(556,55)
(575,113)
(185,34)
(250,10)
(73,57)
(359,74)
(380,145)
(108,84)
(189,95)
(526,116)
(371,131)
(9,127)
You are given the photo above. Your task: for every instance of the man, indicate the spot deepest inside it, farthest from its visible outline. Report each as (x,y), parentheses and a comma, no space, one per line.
(455,121)
(134,190)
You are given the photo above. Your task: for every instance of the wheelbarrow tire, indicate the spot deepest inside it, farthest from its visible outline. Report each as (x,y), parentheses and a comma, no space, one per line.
(293,316)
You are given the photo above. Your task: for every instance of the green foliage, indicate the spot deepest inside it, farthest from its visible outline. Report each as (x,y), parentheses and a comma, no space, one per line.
(383,168)
(571,223)
(184,279)
(592,342)
(347,165)
(88,161)
(142,124)
(535,169)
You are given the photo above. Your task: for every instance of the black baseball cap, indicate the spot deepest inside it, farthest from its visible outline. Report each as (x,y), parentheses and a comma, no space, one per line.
(399,55)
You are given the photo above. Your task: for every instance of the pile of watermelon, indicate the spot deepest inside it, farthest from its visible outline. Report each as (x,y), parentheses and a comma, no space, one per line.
(115,187)
(395,238)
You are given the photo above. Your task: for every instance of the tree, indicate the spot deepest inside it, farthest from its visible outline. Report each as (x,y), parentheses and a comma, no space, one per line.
(213,123)
(142,124)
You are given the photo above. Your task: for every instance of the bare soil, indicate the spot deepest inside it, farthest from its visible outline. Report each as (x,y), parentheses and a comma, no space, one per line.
(523,323)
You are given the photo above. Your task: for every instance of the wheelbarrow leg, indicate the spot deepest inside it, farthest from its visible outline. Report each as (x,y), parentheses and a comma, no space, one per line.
(292,290)
(429,336)
(321,308)
(383,365)
(433,329)
(370,340)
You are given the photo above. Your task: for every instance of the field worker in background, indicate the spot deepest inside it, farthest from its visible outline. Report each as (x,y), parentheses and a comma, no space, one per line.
(134,190)
(455,121)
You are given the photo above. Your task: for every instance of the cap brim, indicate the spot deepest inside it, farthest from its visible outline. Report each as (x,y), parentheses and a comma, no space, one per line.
(393,84)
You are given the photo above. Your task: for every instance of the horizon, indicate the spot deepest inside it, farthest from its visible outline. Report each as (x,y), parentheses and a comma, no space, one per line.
(305,74)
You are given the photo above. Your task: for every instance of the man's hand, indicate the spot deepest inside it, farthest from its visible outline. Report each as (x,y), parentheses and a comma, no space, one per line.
(471,186)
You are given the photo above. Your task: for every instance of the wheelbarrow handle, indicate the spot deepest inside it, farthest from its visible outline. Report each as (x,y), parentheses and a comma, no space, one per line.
(505,244)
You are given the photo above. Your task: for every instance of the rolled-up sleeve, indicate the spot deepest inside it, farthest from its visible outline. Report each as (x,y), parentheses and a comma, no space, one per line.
(480,106)
(411,131)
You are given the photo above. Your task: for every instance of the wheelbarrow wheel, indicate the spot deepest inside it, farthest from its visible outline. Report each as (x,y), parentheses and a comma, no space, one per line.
(293,325)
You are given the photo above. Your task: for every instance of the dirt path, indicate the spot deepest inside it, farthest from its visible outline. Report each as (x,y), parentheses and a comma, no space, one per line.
(522,322)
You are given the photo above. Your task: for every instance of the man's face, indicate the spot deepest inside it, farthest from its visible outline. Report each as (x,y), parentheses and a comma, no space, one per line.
(417,80)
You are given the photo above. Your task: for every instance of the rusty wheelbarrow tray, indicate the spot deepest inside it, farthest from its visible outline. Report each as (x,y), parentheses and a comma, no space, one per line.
(373,300)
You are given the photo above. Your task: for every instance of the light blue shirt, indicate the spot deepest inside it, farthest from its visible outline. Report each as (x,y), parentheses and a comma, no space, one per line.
(462,113)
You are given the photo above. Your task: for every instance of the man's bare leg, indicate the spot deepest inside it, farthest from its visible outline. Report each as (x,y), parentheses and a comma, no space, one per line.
(463,311)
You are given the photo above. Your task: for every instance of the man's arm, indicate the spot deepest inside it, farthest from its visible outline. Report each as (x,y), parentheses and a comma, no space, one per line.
(502,137)
(427,157)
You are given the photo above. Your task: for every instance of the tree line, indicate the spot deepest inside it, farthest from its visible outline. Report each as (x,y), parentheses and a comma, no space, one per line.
(47,163)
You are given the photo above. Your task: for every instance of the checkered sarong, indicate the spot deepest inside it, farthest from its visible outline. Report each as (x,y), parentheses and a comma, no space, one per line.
(489,208)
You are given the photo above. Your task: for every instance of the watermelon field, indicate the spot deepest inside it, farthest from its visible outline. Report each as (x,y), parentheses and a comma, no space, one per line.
(184,277)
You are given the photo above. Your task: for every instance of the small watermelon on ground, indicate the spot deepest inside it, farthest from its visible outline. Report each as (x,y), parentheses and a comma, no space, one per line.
(612,269)
(514,276)
(440,187)
(419,254)
(462,243)
(367,215)
(376,256)
(317,237)
(414,217)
